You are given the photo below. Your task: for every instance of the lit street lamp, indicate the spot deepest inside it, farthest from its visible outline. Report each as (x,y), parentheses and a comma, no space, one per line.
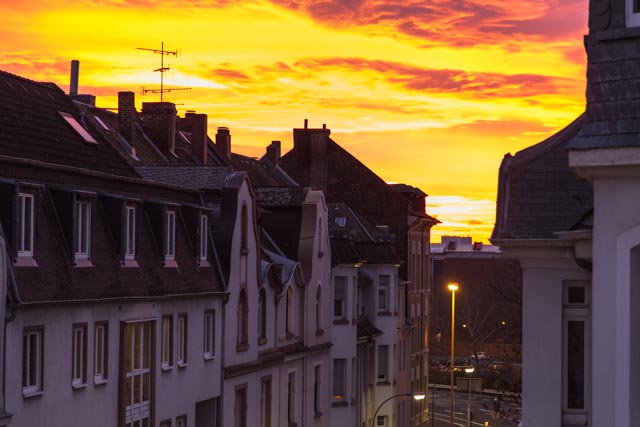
(453,287)
(469,371)
(416,396)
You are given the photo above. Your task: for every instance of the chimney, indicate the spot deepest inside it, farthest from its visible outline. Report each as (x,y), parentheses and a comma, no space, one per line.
(75,74)
(314,143)
(199,136)
(223,142)
(273,152)
(127,115)
(159,123)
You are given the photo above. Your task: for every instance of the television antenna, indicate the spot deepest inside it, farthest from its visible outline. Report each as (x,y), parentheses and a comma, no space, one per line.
(162,52)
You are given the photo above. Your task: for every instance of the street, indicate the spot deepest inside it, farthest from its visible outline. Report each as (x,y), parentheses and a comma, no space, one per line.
(481,408)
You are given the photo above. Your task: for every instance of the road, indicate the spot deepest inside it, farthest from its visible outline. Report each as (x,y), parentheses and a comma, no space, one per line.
(481,407)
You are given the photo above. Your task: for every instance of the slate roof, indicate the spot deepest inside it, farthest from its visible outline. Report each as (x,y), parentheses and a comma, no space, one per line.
(280,196)
(31,127)
(538,194)
(195,177)
(366,329)
(262,172)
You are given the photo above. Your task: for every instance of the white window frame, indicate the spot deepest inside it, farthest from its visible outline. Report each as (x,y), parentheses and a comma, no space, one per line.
(383,293)
(139,335)
(204,233)
(382,421)
(181,421)
(130,223)
(26,232)
(166,359)
(209,334)
(632,18)
(83,230)
(100,352)
(170,235)
(336,300)
(78,356)
(32,357)
(382,373)
(182,339)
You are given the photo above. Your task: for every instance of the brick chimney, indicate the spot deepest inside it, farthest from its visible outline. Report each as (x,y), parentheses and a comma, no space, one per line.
(314,143)
(127,115)
(273,152)
(159,123)
(199,136)
(223,142)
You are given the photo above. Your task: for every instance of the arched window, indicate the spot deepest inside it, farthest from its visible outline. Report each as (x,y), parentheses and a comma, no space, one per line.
(289,309)
(320,239)
(243,312)
(244,225)
(319,309)
(262,315)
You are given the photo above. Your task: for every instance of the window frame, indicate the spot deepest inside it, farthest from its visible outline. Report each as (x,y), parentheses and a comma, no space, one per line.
(340,282)
(262,316)
(342,381)
(289,312)
(382,371)
(170,235)
(130,225)
(79,355)
(317,390)
(23,238)
(82,230)
(101,377)
(183,340)
(383,294)
(632,18)
(181,421)
(166,343)
(203,247)
(291,398)
(36,388)
(209,334)
(266,398)
(319,308)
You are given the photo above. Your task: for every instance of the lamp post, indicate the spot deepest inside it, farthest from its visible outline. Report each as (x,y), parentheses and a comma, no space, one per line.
(469,371)
(453,287)
(416,396)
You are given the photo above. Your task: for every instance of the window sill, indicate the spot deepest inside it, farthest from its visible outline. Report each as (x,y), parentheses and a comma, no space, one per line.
(130,263)
(182,365)
(82,263)
(204,263)
(170,263)
(208,357)
(167,368)
(242,348)
(25,262)
(340,322)
(100,381)
(339,403)
(383,383)
(262,341)
(33,393)
(79,386)
(384,313)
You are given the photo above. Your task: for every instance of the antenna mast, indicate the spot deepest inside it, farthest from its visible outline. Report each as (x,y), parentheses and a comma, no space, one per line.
(162,70)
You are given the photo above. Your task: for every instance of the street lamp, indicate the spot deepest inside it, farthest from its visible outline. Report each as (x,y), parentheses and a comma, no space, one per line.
(469,371)
(416,396)
(453,287)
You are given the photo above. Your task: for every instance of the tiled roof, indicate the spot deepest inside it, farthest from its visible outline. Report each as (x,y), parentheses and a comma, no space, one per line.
(281,196)
(196,177)
(343,251)
(538,194)
(261,172)
(31,127)
(377,253)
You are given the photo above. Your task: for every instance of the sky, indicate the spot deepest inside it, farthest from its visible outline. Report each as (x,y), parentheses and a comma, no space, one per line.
(430,93)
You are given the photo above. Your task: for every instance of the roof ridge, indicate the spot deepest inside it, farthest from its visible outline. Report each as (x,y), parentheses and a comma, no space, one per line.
(47,85)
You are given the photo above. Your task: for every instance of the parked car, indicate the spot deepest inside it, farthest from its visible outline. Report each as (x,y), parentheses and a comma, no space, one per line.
(482,355)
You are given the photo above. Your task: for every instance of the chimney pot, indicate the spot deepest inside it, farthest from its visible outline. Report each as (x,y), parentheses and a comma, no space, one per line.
(223,141)
(273,152)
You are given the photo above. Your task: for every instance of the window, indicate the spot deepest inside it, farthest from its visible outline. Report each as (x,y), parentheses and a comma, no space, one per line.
(383,363)
(138,375)
(317,390)
(265,403)
(289,311)
(209,334)
(383,293)
(182,340)
(241,407)
(339,298)
(167,342)
(181,421)
(170,236)
(319,310)
(291,398)
(262,317)
(78,127)
(381,421)
(633,13)
(129,232)
(204,234)
(32,363)
(244,225)
(79,356)
(576,344)
(339,379)
(83,230)
(320,239)
(100,352)
(26,219)
(165,423)
(243,313)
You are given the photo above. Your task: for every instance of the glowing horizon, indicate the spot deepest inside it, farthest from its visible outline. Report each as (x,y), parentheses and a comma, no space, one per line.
(428,93)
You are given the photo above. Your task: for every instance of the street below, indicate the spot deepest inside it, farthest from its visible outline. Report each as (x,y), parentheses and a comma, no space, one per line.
(482,408)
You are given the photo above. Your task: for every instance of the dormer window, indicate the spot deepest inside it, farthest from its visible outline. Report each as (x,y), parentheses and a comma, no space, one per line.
(129,243)
(170,236)
(83,230)
(26,224)
(633,13)
(204,233)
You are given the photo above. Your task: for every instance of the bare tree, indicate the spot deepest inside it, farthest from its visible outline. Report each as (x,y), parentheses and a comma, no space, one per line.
(478,324)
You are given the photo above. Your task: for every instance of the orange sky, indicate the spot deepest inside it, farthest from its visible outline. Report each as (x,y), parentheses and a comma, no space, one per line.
(431,93)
